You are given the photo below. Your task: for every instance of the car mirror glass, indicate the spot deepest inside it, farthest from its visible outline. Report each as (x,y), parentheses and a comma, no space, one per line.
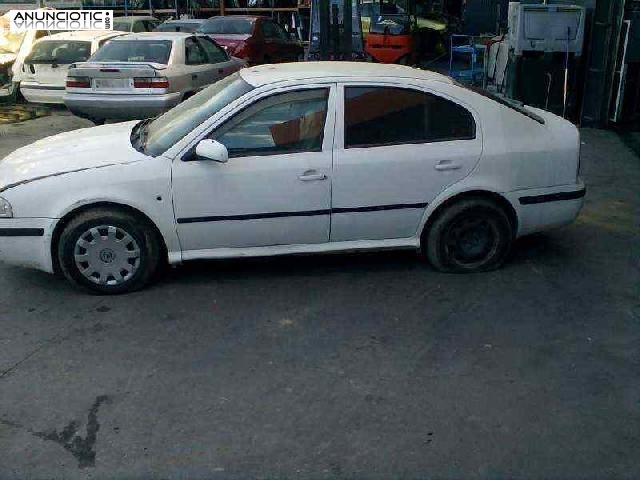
(212,150)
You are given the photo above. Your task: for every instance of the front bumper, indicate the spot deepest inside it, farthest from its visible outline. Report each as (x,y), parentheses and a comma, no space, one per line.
(38,93)
(542,209)
(26,242)
(119,107)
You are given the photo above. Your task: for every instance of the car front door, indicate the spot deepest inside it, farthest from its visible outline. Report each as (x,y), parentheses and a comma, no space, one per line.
(275,188)
(397,148)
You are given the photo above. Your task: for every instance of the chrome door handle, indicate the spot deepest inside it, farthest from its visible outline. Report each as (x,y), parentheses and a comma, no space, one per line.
(312,175)
(447,165)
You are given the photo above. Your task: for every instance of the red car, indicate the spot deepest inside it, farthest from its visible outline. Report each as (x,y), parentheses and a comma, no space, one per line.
(254,39)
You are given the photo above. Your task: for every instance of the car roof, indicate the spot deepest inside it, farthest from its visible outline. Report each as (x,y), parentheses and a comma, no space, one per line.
(131,19)
(186,20)
(157,36)
(265,74)
(242,17)
(87,35)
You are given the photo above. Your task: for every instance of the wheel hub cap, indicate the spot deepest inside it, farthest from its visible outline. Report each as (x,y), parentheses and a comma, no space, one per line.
(107,255)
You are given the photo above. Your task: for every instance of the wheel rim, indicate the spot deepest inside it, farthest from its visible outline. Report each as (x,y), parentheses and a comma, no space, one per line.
(107,255)
(471,241)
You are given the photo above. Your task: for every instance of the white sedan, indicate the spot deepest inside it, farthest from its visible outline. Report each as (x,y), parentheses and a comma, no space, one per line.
(292,158)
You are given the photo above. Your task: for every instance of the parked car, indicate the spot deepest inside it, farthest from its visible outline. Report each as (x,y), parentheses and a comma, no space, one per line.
(360,156)
(141,75)
(135,24)
(255,39)
(44,71)
(189,25)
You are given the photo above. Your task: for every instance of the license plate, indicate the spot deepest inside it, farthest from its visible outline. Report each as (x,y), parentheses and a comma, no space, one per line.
(111,82)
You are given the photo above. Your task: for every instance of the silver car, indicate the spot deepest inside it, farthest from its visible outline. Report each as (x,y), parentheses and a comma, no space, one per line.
(141,75)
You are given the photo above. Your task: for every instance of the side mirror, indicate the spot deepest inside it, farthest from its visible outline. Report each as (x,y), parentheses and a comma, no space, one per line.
(212,150)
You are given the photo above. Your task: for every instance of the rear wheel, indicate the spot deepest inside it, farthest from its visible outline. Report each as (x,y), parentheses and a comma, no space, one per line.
(472,235)
(108,251)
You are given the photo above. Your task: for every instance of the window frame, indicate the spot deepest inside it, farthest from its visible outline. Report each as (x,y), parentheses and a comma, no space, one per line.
(404,86)
(211,133)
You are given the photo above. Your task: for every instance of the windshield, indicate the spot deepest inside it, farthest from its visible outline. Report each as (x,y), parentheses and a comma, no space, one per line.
(189,27)
(10,41)
(230,26)
(167,129)
(156,51)
(59,51)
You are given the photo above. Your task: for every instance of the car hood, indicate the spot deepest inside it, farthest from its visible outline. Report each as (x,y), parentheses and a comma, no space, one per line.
(69,152)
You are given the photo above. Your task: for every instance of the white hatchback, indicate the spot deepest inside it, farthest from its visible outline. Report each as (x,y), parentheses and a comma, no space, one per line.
(292,158)
(44,70)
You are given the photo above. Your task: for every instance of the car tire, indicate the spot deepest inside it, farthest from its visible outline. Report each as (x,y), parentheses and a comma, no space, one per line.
(109,251)
(472,235)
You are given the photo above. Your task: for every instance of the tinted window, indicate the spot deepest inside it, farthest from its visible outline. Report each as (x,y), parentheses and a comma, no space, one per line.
(194,53)
(189,27)
(170,127)
(156,51)
(228,25)
(122,26)
(387,116)
(59,51)
(215,53)
(282,123)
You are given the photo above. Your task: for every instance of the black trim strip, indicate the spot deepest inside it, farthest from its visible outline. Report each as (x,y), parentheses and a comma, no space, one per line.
(309,213)
(552,197)
(43,87)
(21,232)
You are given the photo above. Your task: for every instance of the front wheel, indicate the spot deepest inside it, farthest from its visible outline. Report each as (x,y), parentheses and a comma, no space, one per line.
(108,251)
(472,235)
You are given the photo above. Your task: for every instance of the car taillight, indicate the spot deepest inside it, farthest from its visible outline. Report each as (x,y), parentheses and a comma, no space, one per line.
(78,82)
(150,82)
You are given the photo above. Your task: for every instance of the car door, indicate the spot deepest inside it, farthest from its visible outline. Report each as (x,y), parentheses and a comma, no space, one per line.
(397,148)
(219,64)
(275,188)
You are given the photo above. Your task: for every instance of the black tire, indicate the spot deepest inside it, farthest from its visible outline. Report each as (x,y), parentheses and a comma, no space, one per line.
(472,235)
(146,241)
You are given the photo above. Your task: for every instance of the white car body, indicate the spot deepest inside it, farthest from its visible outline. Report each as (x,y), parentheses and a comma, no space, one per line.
(44,82)
(368,198)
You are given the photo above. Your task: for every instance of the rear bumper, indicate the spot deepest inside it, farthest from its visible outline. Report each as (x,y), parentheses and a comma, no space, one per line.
(546,208)
(120,107)
(26,242)
(38,93)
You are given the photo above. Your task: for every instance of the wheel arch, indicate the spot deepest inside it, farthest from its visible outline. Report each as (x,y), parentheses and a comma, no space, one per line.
(474,193)
(68,216)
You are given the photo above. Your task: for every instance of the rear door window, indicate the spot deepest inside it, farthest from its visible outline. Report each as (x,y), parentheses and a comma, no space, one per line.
(215,53)
(194,53)
(377,116)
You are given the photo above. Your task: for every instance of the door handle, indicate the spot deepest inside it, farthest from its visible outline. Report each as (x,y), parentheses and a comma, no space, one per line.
(312,175)
(447,165)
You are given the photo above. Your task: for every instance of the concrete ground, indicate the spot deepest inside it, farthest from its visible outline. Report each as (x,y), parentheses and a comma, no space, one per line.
(350,366)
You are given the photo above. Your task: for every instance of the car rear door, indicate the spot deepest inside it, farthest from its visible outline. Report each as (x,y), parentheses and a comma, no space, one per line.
(200,70)
(397,147)
(275,188)
(219,63)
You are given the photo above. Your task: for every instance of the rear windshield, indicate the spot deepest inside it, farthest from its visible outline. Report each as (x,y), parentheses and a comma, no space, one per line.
(178,27)
(156,51)
(228,25)
(59,51)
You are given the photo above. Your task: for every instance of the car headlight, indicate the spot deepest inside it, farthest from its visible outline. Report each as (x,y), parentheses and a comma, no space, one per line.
(5,209)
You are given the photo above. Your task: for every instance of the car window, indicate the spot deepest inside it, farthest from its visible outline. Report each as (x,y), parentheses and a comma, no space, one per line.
(103,42)
(156,51)
(388,116)
(122,26)
(227,25)
(194,53)
(138,26)
(150,25)
(215,53)
(59,51)
(280,32)
(279,124)
(269,30)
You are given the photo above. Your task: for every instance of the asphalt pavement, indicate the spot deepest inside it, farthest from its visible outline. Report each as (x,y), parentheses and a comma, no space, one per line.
(340,366)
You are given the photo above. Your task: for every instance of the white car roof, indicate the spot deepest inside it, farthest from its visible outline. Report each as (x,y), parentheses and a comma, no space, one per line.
(264,74)
(87,35)
(157,36)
